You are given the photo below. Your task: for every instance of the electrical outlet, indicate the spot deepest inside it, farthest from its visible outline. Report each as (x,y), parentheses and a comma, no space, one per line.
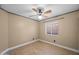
(54,41)
(33,38)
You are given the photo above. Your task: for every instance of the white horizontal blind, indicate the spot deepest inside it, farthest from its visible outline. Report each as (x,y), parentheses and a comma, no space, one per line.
(52,28)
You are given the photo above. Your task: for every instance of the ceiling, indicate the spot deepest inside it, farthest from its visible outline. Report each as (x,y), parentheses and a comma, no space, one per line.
(26,9)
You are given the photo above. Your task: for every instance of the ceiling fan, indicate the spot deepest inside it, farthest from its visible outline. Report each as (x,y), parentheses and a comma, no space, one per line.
(40,12)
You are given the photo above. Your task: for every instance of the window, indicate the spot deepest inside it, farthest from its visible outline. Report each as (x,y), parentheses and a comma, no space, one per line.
(52,28)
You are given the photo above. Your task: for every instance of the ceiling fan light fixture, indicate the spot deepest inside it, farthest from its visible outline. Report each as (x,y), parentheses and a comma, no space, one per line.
(40,17)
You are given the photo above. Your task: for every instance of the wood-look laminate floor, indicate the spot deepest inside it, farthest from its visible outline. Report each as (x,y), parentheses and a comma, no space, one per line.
(41,48)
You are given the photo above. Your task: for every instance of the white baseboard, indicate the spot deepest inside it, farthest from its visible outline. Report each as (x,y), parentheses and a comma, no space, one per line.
(14,47)
(20,45)
(71,49)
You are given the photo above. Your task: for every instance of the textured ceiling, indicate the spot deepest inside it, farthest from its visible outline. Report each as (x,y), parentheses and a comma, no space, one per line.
(26,9)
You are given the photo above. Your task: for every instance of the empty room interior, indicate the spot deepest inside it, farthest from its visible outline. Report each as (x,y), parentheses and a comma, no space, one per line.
(39,29)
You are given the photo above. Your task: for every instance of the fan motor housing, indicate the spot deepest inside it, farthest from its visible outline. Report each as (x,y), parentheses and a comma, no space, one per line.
(40,10)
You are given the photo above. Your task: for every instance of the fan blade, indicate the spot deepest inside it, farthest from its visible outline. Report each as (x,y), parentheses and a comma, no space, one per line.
(49,11)
(47,14)
(34,9)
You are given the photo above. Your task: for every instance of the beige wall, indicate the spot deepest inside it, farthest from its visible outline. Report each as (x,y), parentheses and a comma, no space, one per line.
(21,30)
(78,30)
(67,31)
(3,30)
